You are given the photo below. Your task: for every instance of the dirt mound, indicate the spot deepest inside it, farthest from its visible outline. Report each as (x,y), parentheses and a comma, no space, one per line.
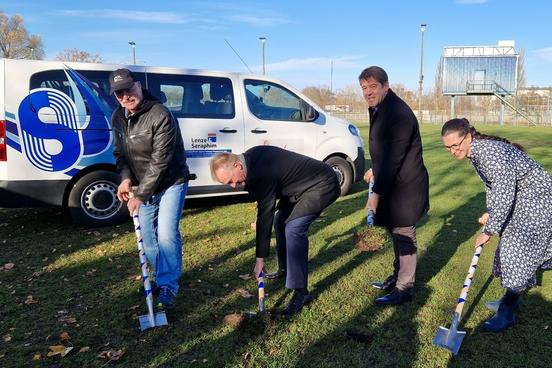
(235,320)
(371,238)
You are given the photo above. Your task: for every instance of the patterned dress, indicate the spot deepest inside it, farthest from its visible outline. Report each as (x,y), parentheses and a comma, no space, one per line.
(519,203)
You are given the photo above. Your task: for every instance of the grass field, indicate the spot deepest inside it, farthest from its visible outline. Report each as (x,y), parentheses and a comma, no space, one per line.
(68,285)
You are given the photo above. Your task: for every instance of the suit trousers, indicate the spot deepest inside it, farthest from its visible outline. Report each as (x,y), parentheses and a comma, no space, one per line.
(404,265)
(292,246)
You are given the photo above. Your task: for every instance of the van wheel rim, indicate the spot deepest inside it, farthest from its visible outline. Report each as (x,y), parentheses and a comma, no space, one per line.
(339,173)
(99,200)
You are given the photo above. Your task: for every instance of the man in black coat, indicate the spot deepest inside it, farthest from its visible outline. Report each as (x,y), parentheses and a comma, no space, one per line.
(303,185)
(401,183)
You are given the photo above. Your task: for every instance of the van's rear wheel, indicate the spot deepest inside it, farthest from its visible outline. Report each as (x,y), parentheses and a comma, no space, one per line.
(343,171)
(93,200)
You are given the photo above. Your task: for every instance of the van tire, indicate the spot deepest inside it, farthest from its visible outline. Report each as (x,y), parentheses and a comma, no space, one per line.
(93,200)
(344,172)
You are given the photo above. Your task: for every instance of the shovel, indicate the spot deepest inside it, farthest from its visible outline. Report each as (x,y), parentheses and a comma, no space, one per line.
(451,339)
(147,320)
(260,293)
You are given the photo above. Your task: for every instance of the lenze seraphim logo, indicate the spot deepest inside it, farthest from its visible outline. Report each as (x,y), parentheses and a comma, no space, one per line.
(203,143)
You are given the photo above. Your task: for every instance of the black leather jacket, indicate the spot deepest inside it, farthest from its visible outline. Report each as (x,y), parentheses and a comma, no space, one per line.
(148,148)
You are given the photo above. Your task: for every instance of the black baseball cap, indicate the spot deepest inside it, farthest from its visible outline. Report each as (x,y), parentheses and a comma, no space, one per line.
(120,79)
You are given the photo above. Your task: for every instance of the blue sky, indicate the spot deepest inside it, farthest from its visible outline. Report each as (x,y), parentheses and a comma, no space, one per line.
(303,36)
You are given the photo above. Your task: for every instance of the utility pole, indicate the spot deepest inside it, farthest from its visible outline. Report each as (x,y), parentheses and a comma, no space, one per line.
(423,28)
(263,41)
(133,45)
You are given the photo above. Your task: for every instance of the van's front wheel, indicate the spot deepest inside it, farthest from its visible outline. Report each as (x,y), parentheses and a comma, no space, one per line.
(93,200)
(343,171)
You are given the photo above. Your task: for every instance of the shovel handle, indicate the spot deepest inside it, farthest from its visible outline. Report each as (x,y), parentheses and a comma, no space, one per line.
(144,268)
(260,287)
(370,214)
(468,281)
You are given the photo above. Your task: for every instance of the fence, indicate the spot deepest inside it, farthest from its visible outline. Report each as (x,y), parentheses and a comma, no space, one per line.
(540,115)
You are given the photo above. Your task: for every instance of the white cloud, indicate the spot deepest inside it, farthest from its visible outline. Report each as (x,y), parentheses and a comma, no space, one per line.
(258,21)
(471,2)
(131,15)
(320,63)
(544,53)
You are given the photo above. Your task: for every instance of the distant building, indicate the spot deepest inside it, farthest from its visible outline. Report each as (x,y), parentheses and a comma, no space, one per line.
(540,91)
(337,108)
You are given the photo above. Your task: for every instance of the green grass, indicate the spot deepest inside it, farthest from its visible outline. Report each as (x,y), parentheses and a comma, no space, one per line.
(90,275)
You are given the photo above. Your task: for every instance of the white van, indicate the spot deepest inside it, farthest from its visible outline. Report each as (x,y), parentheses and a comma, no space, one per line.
(56,141)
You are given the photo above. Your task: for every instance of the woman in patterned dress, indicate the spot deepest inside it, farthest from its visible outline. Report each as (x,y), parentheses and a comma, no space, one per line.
(519,210)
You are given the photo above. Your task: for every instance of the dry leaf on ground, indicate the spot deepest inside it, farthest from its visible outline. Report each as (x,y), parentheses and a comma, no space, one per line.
(7,337)
(84,349)
(60,350)
(246,276)
(112,354)
(9,266)
(64,336)
(29,300)
(37,356)
(244,293)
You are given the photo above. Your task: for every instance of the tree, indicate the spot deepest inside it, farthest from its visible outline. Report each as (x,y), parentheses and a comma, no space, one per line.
(15,41)
(78,55)
(440,102)
(521,80)
(352,96)
(406,95)
(321,95)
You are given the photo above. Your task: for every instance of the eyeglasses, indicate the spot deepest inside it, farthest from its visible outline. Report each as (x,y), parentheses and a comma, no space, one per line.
(456,145)
(127,91)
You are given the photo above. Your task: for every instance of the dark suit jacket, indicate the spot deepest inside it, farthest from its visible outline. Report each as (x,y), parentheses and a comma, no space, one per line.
(274,173)
(401,178)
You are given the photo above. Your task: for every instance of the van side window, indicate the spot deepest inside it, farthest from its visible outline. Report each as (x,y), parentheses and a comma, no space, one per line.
(100,78)
(98,82)
(269,101)
(55,79)
(193,96)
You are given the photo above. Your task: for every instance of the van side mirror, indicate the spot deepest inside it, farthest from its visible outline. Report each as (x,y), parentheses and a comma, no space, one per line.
(311,114)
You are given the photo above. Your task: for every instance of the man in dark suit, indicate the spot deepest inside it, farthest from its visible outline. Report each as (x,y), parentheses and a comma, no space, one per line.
(303,185)
(400,193)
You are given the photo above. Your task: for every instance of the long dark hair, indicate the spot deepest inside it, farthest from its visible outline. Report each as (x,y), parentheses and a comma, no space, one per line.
(463,126)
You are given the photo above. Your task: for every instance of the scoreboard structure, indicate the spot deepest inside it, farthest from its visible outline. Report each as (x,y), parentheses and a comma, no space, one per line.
(481,70)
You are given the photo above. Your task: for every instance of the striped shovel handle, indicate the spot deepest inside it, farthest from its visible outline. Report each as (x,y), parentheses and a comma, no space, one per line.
(370,216)
(468,281)
(144,268)
(260,287)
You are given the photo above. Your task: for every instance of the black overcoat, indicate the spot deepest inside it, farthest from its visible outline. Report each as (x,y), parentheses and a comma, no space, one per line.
(401,179)
(275,173)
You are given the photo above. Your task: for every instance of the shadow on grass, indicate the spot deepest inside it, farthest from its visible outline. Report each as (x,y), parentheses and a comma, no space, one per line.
(399,328)
(525,344)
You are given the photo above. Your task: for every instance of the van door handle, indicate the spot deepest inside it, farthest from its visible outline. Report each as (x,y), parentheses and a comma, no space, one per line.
(228,130)
(258,131)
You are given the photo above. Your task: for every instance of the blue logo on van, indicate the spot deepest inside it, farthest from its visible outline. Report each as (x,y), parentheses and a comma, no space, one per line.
(61,134)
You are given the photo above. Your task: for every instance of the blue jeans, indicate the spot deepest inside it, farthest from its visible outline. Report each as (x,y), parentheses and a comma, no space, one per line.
(292,246)
(159,219)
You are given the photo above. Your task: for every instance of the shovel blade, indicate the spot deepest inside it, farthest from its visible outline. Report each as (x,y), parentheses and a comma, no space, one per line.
(449,339)
(160,319)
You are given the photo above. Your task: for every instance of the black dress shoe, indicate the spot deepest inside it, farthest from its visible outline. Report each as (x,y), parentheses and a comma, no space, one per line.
(298,301)
(395,297)
(280,274)
(386,285)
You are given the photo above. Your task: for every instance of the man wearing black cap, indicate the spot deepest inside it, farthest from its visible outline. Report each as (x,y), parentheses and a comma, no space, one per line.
(150,155)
